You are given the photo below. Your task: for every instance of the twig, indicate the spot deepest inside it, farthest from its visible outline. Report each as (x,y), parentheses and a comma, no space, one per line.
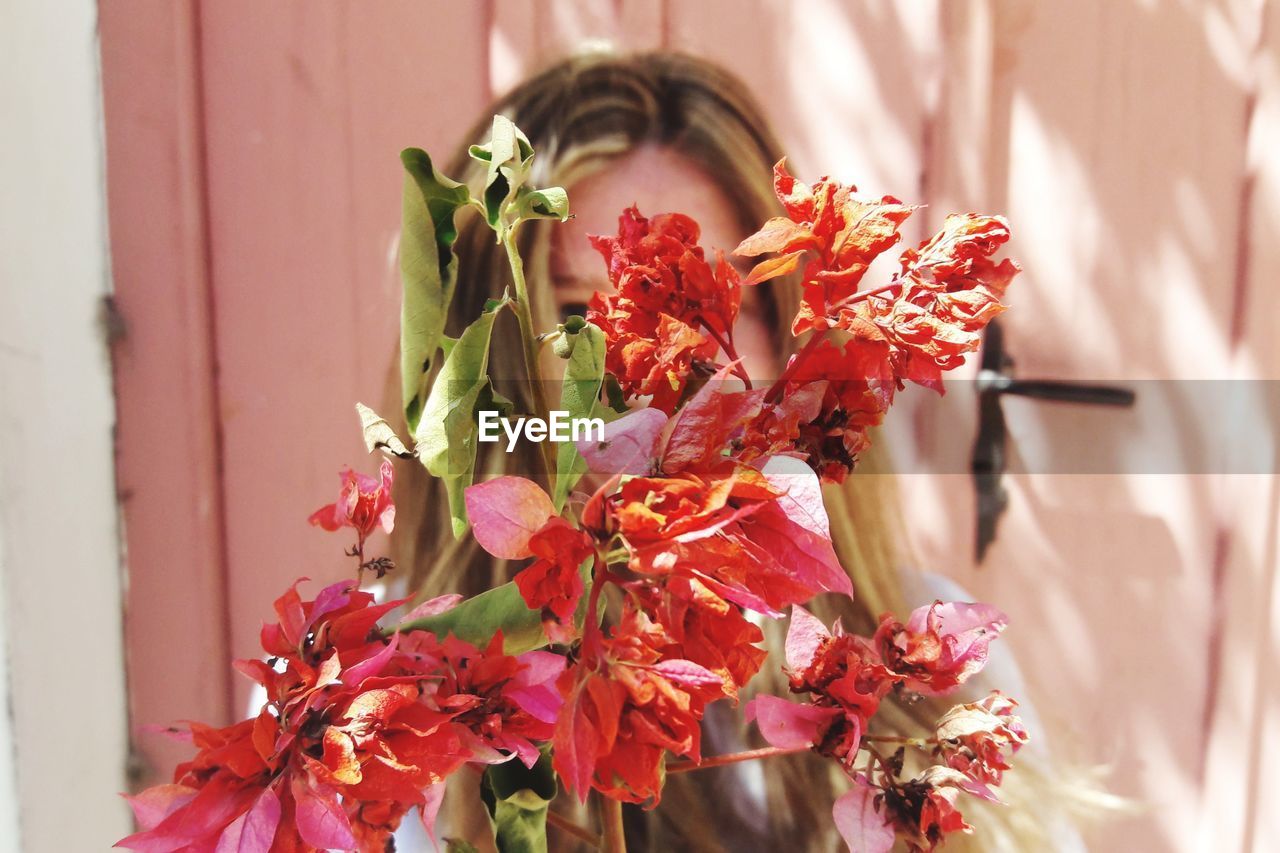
(885,766)
(524,315)
(854,298)
(731,758)
(775,390)
(726,346)
(904,741)
(591,637)
(579,832)
(615,839)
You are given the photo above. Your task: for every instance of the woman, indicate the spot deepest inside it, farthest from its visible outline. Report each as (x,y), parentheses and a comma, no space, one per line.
(670,132)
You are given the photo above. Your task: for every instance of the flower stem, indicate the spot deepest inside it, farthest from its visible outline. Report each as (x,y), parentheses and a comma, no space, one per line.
(579,832)
(524,316)
(358,553)
(731,758)
(726,346)
(855,298)
(775,390)
(881,760)
(904,741)
(614,839)
(591,628)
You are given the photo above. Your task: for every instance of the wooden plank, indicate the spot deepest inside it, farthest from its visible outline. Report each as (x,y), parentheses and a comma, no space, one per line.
(1241,719)
(845,85)
(65,711)
(933,436)
(1122,207)
(167,441)
(307,108)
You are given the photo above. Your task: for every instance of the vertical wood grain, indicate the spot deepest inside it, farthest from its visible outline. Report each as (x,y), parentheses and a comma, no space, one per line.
(307,107)
(1244,701)
(845,84)
(1114,141)
(168,455)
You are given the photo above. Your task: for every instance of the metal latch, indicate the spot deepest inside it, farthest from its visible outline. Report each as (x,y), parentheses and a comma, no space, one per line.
(995,379)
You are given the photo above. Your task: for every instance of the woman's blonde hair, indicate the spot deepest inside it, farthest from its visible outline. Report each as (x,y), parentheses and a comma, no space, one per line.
(580,115)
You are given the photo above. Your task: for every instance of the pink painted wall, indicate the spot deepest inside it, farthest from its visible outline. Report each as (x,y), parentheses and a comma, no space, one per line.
(254,186)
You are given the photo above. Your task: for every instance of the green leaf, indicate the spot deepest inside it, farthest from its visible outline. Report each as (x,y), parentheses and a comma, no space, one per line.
(510,156)
(579,392)
(517,798)
(551,203)
(428,271)
(459,845)
(447,432)
(613,393)
(502,608)
(491,401)
(478,618)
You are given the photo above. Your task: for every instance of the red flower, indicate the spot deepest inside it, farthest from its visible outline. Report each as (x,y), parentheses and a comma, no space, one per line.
(657,364)
(910,330)
(342,720)
(845,676)
(625,708)
(843,233)
(513,518)
(836,671)
(755,537)
(834,395)
(358,729)
(363,503)
(552,582)
(499,704)
(870,817)
(947,292)
(657,267)
(941,645)
(700,626)
(923,809)
(665,291)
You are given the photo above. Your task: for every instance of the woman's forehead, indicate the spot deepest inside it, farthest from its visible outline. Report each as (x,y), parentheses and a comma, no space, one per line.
(656,180)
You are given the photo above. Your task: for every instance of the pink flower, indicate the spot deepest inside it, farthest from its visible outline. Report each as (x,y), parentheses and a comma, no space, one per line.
(844,679)
(789,725)
(978,738)
(363,503)
(861,818)
(941,645)
(505,513)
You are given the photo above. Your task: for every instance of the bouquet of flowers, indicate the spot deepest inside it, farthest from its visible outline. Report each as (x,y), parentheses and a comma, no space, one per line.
(655,546)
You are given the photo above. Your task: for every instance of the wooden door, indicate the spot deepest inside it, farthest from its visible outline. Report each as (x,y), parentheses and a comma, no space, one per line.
(254,189)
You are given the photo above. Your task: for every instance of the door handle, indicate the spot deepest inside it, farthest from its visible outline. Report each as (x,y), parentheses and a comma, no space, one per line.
(987,462)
